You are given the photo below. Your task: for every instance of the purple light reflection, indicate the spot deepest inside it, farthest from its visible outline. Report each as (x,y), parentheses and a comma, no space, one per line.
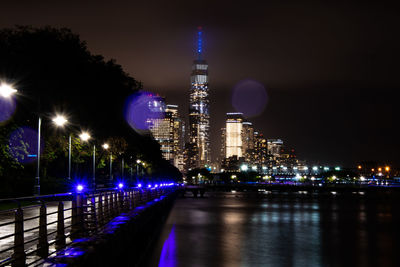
(23,145)
(142,108)
(168,253)
(7,108)
(249,97)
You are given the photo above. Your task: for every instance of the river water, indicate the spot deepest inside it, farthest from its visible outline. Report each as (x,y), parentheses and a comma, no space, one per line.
(281,229)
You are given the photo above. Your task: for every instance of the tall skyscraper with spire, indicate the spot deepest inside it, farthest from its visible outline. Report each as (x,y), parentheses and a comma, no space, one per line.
(198,149)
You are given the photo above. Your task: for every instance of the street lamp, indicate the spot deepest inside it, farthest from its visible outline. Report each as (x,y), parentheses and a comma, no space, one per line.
(60,121)
(106,147)
(85,136)
(7,90)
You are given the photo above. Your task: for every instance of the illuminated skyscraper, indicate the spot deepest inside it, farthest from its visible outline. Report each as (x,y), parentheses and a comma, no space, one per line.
(247,140)
(168,131)
(234,135)
(198,149)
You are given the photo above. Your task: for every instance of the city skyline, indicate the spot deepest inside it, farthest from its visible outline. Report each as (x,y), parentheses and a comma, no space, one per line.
(329,69)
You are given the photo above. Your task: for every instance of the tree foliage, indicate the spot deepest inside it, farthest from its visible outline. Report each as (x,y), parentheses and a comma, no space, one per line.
(54,71)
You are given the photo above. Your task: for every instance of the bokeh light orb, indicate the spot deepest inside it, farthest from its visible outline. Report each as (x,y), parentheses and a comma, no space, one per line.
(249,97)
(23,145)
(7,108)
(142,109)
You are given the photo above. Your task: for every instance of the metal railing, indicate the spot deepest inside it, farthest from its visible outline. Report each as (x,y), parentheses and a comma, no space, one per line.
(30,234)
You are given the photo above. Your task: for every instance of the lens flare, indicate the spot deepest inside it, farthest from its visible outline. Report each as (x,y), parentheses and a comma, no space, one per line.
(249,97)
(23,145)
(142,109)
(7,108)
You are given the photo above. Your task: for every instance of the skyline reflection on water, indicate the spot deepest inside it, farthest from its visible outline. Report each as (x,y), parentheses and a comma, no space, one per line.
(248,229)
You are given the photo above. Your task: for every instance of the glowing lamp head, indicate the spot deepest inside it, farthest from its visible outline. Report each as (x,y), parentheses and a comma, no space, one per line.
(60,120)
(149,186)
(7,90)
(156,185)
(120,185)
(84,136)
(139,185)
(106,146)
(79,188)
(138,161)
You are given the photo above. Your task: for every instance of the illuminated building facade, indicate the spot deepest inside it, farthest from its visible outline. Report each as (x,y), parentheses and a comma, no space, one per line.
(198,154)
(168,132)
(247,140)
(234,135)
(275,147)
(260,155)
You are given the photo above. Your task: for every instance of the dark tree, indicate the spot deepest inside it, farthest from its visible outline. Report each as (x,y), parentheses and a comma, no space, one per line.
(53,71)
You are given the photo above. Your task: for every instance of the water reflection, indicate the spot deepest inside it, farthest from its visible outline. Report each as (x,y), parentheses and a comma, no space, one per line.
(281,230)
(167,258)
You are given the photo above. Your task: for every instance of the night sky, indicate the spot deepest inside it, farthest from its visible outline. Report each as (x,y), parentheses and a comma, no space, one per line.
(331,70)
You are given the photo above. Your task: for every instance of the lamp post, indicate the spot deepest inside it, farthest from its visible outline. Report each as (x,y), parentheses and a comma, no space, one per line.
(85,136)
(6,91)
(94,166)
(137,168)
(60,121)
(106,147)
(122,168)
(36,187)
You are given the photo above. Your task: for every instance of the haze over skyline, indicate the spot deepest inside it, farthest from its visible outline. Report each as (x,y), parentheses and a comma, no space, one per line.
(330,69)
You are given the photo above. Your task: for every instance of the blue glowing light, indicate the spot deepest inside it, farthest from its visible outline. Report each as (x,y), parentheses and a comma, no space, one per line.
(139,185)
(120,185)
(156,185)
(199,42)
(149,186)
(79,188)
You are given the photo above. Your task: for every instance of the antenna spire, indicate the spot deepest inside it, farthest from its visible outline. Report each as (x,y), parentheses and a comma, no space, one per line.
(199,42)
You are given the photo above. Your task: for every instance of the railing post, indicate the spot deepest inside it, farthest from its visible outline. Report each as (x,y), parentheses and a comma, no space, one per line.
(83,214)
(43,245)
(19,255)
(60,237)
(74,218)
(100,213)
(133,202)
(93,212)
(112,208)
(121,200)
(116,205)
(106,208)
(77,216)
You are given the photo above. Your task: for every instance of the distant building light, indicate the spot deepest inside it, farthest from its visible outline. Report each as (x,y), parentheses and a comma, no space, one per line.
(244,167)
